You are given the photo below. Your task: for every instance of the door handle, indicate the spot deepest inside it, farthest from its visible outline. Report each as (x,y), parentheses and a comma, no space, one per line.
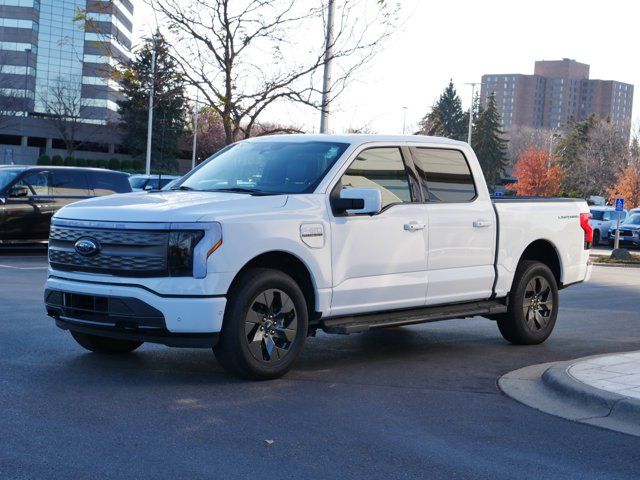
(413,226)
(481,224)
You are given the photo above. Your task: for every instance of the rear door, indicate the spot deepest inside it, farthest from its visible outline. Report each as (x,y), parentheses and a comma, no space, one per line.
(379,261)
(462,227)
(68,185)
(27,218)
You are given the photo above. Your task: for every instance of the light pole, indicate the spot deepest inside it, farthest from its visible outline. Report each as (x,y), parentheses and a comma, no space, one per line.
(195,132)
(328,59)
(404,119)
(151,94)
(473,91)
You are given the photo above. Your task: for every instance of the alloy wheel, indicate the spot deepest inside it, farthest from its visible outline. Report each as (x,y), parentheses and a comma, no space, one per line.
(538,303)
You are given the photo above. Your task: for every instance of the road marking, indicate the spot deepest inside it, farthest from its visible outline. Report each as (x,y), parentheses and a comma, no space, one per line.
(23,268)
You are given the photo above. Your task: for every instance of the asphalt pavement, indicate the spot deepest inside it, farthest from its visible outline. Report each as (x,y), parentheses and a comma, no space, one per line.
(412,402)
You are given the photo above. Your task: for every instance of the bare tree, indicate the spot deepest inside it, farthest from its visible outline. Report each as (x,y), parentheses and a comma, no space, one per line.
(245,55)
(524,138)
(65,111)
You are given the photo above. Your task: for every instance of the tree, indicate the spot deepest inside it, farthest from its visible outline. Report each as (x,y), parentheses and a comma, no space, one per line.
(245,55)
(446,119)
(627,186)
(170,104)
(523,138)
(538,174)
(489,144)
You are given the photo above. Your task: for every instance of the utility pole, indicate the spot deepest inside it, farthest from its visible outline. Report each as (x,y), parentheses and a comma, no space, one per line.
(473,92)
(151,94)
(328,59)
(195,131)
(404,119)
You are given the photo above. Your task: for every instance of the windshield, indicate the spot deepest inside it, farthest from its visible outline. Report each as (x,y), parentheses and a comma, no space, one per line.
(138,182)
(634,220)
(271,167)
(597,214)
(7,176)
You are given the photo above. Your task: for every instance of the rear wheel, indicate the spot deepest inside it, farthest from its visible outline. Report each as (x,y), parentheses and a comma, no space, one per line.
(596,238)
(107,345)
(533,305)
(265,325)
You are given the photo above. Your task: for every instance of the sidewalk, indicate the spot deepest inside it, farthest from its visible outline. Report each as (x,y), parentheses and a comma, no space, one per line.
(603,390)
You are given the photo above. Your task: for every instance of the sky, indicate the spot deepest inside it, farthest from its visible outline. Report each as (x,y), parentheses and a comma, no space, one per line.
(461,40)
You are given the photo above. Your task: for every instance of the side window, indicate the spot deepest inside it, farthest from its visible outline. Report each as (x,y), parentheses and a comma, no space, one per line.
(36,182)
(69,182)
(381,168)
(445,175)
(106,184)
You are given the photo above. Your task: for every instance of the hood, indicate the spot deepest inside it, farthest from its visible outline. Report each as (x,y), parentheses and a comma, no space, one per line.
(174,206)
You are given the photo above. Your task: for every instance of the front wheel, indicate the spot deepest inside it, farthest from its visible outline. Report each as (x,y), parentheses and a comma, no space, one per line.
(596,238)
(533,305)
(265,325)
(107,345)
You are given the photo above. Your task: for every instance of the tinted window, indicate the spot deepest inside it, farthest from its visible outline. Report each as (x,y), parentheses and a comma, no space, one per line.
(276,166)
(597,214)
(381,168)
(69,182)
(7,176)
(107,183)
(445,175)
(138,182)
(36,182)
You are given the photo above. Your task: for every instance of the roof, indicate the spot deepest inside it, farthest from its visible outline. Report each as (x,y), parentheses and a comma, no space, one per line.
(60,167)
(357,138)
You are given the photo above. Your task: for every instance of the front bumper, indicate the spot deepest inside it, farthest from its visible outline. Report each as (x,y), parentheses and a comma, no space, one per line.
(132,308)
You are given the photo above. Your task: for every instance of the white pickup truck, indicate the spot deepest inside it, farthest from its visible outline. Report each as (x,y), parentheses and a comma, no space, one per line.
(274,238)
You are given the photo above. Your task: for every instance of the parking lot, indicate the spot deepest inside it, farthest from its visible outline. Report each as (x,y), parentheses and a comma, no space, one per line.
(412,402)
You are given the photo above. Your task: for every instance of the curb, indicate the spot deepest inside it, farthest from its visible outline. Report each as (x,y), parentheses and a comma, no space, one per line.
(617,265)
(551,389)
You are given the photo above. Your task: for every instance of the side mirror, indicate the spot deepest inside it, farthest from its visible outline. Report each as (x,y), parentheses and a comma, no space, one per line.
(18,192)
(358,201)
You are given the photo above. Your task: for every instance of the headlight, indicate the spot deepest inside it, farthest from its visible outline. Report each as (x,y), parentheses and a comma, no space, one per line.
(189,249)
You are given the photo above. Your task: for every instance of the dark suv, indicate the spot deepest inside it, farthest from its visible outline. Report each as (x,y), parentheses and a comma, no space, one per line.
(29,196)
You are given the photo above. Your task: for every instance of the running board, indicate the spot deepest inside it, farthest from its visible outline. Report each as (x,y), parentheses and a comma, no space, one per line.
(394,318)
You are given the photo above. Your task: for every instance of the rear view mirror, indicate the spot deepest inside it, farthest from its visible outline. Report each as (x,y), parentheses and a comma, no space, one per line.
(18,192)
(358,201)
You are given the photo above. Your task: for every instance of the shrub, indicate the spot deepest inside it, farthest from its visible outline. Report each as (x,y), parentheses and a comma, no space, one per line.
(70,162)
(125,165)
(92,162)
(44,160)
(138,166)
(81,162)
(57,161)
(103,163)
(114,164)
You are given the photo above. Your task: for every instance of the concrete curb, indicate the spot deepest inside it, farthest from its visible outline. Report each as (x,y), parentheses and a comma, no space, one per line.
(551,389)
(617,265)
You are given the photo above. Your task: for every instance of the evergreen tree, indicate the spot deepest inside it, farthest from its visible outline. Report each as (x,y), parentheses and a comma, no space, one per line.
(489,144)
(446,119)
(170,105)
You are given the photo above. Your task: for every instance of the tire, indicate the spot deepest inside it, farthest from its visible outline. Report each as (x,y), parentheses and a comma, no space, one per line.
(596,238)
(260,340)
(105,345)
(533,305)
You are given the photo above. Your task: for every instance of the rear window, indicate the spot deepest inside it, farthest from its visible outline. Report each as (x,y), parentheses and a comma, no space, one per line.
(597,214)
(104,183)
(69,182)
(445,175)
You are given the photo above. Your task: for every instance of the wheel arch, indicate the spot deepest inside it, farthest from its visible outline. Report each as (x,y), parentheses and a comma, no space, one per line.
(545,252)
(293,266)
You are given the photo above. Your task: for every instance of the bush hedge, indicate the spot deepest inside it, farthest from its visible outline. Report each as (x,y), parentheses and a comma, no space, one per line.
(44,160)
(57,160)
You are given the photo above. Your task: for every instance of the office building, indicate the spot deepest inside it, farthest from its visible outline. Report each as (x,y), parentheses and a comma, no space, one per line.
(558,92)
(50,60)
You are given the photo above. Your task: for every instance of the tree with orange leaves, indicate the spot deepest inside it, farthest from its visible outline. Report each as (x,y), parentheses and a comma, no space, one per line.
(537,173)
(627,186)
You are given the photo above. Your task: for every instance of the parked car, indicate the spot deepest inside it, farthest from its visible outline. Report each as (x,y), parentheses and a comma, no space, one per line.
(629,232)
(150,182)
(274,238)
(602,219)
(634,211)
(30,196)
(171,184)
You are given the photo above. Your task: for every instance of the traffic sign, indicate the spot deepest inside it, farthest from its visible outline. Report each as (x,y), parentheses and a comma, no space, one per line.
(619,204)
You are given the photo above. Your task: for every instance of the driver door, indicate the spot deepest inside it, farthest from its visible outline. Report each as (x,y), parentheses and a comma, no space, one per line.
(379,261)
(28,218)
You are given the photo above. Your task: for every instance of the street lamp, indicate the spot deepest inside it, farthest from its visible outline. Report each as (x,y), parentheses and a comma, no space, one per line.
(328,60)
(404,119)
(151,94)
(473,91)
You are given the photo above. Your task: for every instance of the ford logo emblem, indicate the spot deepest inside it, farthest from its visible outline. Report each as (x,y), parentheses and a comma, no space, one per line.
(87,247)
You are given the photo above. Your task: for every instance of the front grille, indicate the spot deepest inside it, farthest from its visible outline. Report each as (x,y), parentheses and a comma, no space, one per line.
(626,233)
(134,253)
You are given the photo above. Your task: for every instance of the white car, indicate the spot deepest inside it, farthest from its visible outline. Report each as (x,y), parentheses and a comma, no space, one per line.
(276,237)
(150,182)
(602,220)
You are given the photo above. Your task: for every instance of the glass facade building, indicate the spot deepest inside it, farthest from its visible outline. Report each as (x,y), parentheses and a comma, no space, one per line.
(46,53)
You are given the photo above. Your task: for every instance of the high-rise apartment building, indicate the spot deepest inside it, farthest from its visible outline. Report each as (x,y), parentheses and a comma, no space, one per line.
(52,53)
(558,91)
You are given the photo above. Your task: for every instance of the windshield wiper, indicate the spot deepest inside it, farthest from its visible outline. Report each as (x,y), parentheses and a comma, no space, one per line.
(251,191)
(182,187)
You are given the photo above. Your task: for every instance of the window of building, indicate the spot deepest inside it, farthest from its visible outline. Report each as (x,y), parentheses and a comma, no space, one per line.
(383,169)
(445,175)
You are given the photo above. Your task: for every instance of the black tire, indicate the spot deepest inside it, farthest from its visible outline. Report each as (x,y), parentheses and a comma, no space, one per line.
(533,305)
(261,340)
(106,345)
(596,238)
